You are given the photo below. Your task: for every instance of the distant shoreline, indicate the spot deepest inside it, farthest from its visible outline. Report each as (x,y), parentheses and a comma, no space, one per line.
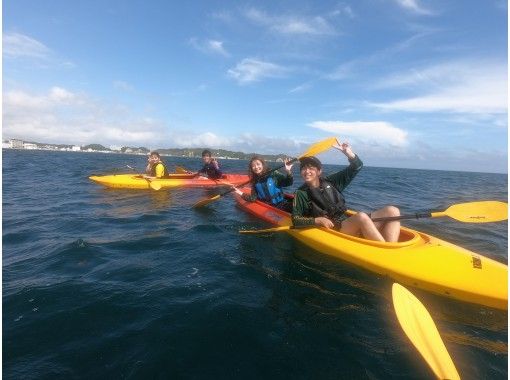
(245,159)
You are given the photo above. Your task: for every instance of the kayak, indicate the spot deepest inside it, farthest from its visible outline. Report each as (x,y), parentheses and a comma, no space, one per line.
(136,181)
(417,259)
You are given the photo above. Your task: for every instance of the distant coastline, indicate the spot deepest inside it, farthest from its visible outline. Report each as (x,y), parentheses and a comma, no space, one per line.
(171,152)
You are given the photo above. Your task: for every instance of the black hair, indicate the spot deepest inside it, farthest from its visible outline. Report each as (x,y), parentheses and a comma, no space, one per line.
(264,166)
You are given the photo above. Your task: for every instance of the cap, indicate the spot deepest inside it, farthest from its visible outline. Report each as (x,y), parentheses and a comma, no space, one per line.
(310,160)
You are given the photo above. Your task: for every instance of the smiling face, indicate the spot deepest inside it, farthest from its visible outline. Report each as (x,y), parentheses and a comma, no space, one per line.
(153,158)
(310,175)
(257,166)
(206,158)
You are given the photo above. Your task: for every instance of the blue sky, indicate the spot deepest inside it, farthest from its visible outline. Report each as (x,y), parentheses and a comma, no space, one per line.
(409,83)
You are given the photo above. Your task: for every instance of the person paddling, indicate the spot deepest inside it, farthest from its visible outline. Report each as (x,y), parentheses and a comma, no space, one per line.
(211,168)
(155,166)
(267,187)
(320,201)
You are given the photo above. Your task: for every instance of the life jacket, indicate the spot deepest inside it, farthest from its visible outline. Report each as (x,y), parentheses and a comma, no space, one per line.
(153,169)
(268,191)
(326,200)
(210,171)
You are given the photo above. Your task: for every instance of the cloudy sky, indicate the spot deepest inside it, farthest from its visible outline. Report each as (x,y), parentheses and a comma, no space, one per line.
(409,83)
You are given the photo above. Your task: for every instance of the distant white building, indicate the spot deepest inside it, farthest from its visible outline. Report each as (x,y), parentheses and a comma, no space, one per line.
(29,146)
(16,144)
(76,148)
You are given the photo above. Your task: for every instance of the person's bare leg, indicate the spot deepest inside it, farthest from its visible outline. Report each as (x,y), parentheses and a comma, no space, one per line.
(389,230)
(361,222)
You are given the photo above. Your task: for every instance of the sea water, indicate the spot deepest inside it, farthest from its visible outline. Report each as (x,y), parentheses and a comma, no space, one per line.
(136,284)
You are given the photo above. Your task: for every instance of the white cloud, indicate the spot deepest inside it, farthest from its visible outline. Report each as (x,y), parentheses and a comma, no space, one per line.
(61,116)
(301,88)
(343,9)
(414,6)
(253,70)
(454,87)
(209,46)
(380,132)
(246,142)
(16,45)
(291,25)
(21,47)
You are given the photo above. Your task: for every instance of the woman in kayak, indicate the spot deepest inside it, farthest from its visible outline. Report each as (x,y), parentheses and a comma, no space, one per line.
(155,167)
(320,202)
(267,187)
(211,168)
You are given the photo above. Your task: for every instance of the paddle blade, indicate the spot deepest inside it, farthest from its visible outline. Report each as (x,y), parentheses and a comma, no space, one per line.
(477,212)
(154,185)
(181,170)
(267,230)
(206,201)
(421,330)
(319,147)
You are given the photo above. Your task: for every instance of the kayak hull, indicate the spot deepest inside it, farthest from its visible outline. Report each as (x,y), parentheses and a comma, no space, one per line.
(418,259)
(136,181)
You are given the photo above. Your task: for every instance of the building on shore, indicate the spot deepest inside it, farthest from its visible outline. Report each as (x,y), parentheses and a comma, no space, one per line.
(16,144)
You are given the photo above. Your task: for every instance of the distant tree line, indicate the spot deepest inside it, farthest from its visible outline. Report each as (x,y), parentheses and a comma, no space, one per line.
(179,152)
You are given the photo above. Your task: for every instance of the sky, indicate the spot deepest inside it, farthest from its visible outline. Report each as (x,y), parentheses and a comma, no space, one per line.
(408,83)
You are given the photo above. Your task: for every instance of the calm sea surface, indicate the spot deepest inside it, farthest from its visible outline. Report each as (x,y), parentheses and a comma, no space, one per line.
(128,284)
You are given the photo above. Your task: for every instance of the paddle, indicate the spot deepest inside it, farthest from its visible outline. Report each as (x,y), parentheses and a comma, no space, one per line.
(152,184)
(470,212)
(181,170)
(422,331)
(316,148)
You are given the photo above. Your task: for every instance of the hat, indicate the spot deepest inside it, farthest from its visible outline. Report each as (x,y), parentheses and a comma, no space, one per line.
(310,160)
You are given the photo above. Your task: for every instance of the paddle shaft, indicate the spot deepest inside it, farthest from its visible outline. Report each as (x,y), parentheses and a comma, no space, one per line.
(400,217)
(152,185)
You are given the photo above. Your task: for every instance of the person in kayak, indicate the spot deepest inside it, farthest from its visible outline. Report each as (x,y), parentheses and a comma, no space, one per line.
(319,201)
(211,168)
(155,166)
(267,188)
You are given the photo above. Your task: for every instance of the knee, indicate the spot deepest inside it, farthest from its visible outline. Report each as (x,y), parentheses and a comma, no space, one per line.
(391,211)
(363,218)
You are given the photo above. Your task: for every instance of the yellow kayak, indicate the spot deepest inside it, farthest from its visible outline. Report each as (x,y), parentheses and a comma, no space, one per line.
(136,181)
(418,259)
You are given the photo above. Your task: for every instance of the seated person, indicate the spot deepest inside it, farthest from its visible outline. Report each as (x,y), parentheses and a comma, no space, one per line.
(155,167)
(320,202)
(211,168)
(267,187)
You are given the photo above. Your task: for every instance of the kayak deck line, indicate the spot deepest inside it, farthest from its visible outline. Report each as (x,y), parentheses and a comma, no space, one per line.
(418,259)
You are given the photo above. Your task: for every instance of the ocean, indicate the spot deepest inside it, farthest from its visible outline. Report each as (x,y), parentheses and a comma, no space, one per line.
(136,284)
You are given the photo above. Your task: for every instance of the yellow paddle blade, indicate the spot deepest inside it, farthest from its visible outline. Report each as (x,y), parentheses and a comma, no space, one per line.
(181,170)
(267,230)
(476,212)
(320,147)
(206,201)
(154,185)
(422,331)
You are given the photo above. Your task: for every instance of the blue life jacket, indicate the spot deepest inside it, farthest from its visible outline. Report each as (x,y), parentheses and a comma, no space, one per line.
(268,192)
